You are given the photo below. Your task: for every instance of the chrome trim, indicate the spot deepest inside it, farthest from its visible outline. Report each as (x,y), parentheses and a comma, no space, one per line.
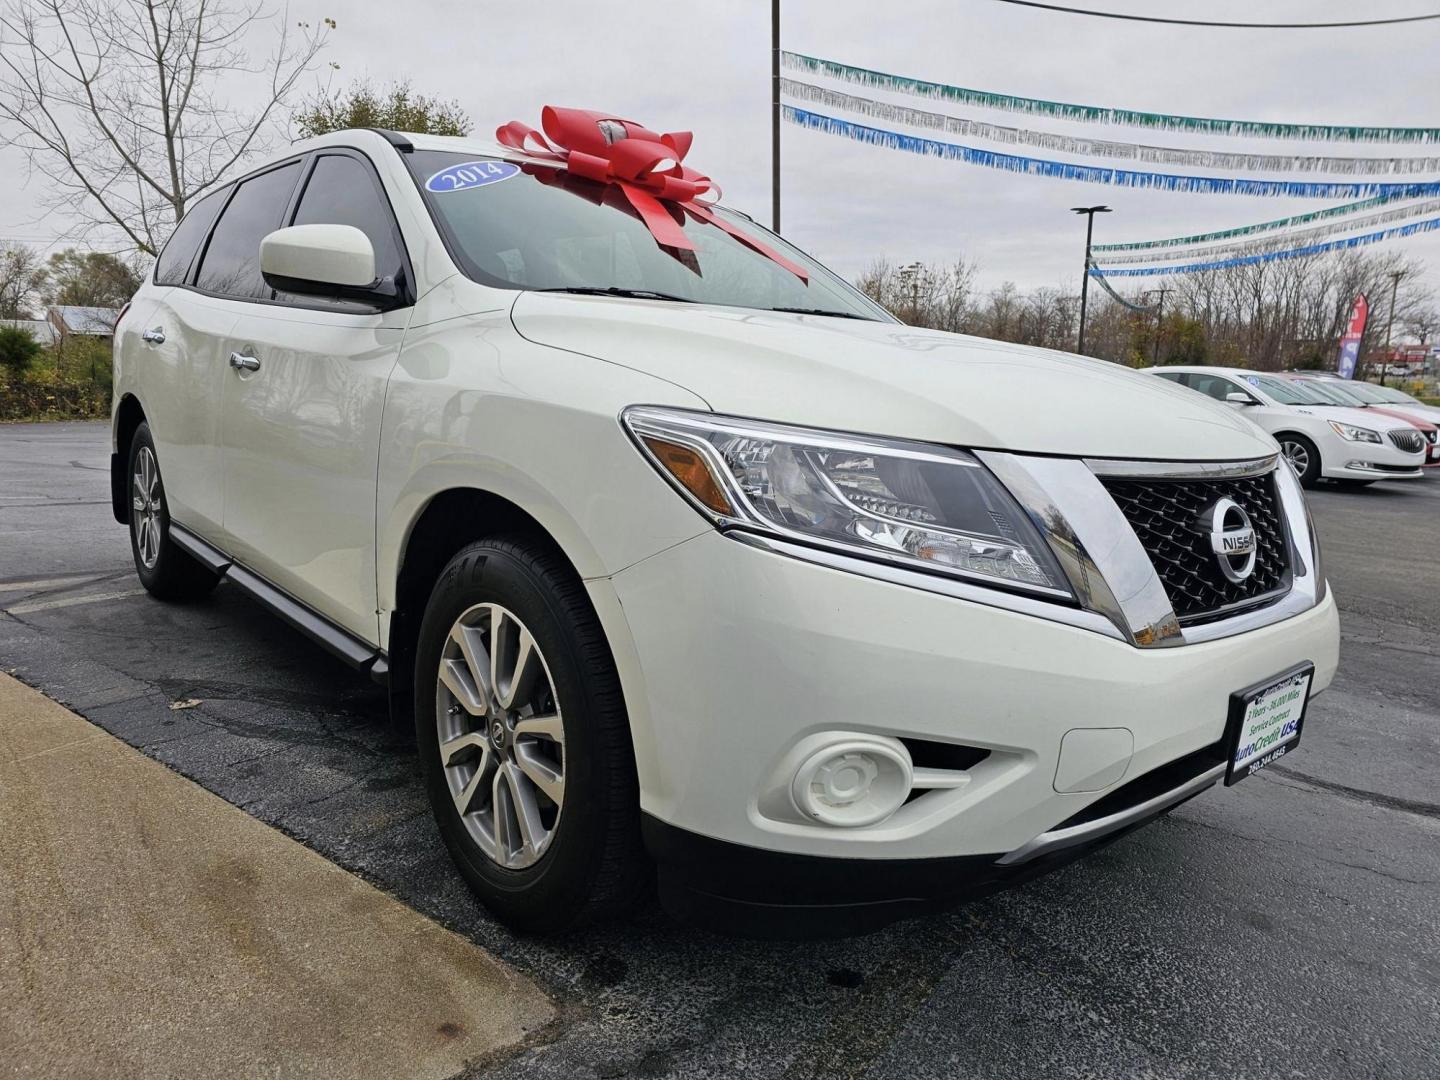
(1411,441)
(1059,839)
(1096,546)
(1181,470)
(1305,590)
(935,583)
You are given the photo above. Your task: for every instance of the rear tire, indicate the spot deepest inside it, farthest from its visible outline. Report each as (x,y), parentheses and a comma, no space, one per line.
(1302,456)
(541,817)
(166,572)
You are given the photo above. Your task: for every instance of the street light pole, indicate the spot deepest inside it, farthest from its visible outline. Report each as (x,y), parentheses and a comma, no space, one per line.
(1089,212)
(1395,276)
(775,116)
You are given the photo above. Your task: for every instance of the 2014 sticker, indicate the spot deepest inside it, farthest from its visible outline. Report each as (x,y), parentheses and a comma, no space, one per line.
(470,174)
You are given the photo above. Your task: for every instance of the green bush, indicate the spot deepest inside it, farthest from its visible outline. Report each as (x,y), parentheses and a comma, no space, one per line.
(18,350)
(52,400)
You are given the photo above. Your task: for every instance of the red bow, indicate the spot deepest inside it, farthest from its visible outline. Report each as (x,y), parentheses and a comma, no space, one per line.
(645,165)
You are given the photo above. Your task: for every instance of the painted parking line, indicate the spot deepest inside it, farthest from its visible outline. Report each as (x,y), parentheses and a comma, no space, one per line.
(70,601)
(39,584)
(149,928)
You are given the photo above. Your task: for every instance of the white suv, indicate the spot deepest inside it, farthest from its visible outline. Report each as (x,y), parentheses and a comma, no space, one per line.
(1320,439)
(684,559)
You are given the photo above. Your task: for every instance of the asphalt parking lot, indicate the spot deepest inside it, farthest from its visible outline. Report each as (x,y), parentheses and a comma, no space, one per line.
(1289,926)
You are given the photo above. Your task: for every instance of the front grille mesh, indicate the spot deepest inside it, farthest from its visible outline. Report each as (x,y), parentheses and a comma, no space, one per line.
(1412,442)
(1166,516)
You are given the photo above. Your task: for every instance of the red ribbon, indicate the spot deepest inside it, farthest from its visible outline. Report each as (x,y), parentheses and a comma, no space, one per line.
(647,166)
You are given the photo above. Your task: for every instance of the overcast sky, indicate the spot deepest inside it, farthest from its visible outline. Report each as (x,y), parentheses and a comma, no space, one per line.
(706,68)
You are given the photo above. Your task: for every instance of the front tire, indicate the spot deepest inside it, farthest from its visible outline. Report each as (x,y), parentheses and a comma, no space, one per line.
(524,741)
(166,572)
(1301,455)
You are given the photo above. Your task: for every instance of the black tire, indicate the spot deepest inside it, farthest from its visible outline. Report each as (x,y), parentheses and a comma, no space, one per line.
(172,575)
(1310,475)
(594,868)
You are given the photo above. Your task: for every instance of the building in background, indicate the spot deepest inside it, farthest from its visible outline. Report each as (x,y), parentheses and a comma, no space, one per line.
(40,329)
(68,322)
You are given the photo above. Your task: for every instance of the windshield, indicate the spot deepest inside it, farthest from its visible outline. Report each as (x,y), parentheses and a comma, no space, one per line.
(1334,394)
(538,227)
(1286,391)
(1393,396)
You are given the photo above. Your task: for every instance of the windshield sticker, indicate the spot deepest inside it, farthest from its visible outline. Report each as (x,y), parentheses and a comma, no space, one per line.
(1252,380)
(471,174)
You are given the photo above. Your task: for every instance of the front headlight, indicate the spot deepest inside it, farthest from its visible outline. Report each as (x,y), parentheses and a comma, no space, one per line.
(930,508)
(1353,433)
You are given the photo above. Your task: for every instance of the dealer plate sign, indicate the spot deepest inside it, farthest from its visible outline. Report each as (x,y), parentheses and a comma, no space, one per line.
(1265,722)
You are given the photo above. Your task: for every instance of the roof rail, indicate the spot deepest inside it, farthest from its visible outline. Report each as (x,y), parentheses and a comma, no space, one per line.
(395,139)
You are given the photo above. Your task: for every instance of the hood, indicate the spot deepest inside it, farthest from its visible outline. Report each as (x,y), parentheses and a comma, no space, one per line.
(1413,419)
(1381,420)
(900,381)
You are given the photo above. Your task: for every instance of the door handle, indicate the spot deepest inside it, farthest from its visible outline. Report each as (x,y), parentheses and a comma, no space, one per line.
(241,362)
(154,337)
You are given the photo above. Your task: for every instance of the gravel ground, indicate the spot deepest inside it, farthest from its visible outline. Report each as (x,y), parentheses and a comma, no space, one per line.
(1288,926)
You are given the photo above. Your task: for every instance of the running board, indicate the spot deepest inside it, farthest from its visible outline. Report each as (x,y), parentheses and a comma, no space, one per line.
(358,654)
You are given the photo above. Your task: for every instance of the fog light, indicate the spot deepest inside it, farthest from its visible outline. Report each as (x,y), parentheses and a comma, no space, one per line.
(853,783)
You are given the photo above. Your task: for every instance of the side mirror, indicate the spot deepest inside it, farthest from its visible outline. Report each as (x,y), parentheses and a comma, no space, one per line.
(1238,398)
(322,260)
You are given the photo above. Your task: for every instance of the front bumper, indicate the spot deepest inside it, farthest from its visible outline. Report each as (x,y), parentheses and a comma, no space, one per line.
(1372,461)
(731,655)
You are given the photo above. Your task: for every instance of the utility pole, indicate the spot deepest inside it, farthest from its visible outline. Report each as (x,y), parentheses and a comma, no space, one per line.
(911,273)
(1159,320)
(1089,212)
(1395,276)
(775,116)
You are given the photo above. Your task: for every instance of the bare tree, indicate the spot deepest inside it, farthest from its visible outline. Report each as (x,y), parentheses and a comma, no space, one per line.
(124,106)
(22,275)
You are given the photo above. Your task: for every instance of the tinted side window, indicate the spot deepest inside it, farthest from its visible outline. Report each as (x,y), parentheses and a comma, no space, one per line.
(343,191)
(174,262)
(1215,386)
(231,264)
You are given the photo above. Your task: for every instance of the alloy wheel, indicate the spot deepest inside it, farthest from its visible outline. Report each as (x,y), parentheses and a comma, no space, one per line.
(145,506)
(502,742)
(1297,456)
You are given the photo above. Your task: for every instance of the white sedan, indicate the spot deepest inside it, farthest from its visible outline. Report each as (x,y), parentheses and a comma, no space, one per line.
(1319,439)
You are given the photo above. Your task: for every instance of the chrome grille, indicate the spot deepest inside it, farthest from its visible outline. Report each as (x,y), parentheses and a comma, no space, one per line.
(1410,441)
(1166,516)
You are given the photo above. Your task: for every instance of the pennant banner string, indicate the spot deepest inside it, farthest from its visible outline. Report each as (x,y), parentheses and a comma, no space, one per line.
(1067,144)
(1095,174)
(1251,230)
(1272,243)
(1294,253)
(1094,114)
(1140,308)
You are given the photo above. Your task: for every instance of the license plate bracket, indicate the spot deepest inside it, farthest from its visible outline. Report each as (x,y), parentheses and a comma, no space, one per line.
(1265,721)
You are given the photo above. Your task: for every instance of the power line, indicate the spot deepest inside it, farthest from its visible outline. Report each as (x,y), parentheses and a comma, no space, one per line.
(1230,25)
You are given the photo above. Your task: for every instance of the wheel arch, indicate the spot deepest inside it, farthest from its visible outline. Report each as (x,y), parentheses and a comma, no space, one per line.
(447,521)
(129,415)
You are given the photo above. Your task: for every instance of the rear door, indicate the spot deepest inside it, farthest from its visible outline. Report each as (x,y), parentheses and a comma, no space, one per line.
(171,349)
(302,430)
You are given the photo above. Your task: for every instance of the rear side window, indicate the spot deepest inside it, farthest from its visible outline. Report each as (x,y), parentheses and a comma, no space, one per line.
(231,264)
(173,266)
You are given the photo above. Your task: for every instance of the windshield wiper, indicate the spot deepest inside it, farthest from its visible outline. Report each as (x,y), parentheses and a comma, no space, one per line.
(823,311)
(615,290)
